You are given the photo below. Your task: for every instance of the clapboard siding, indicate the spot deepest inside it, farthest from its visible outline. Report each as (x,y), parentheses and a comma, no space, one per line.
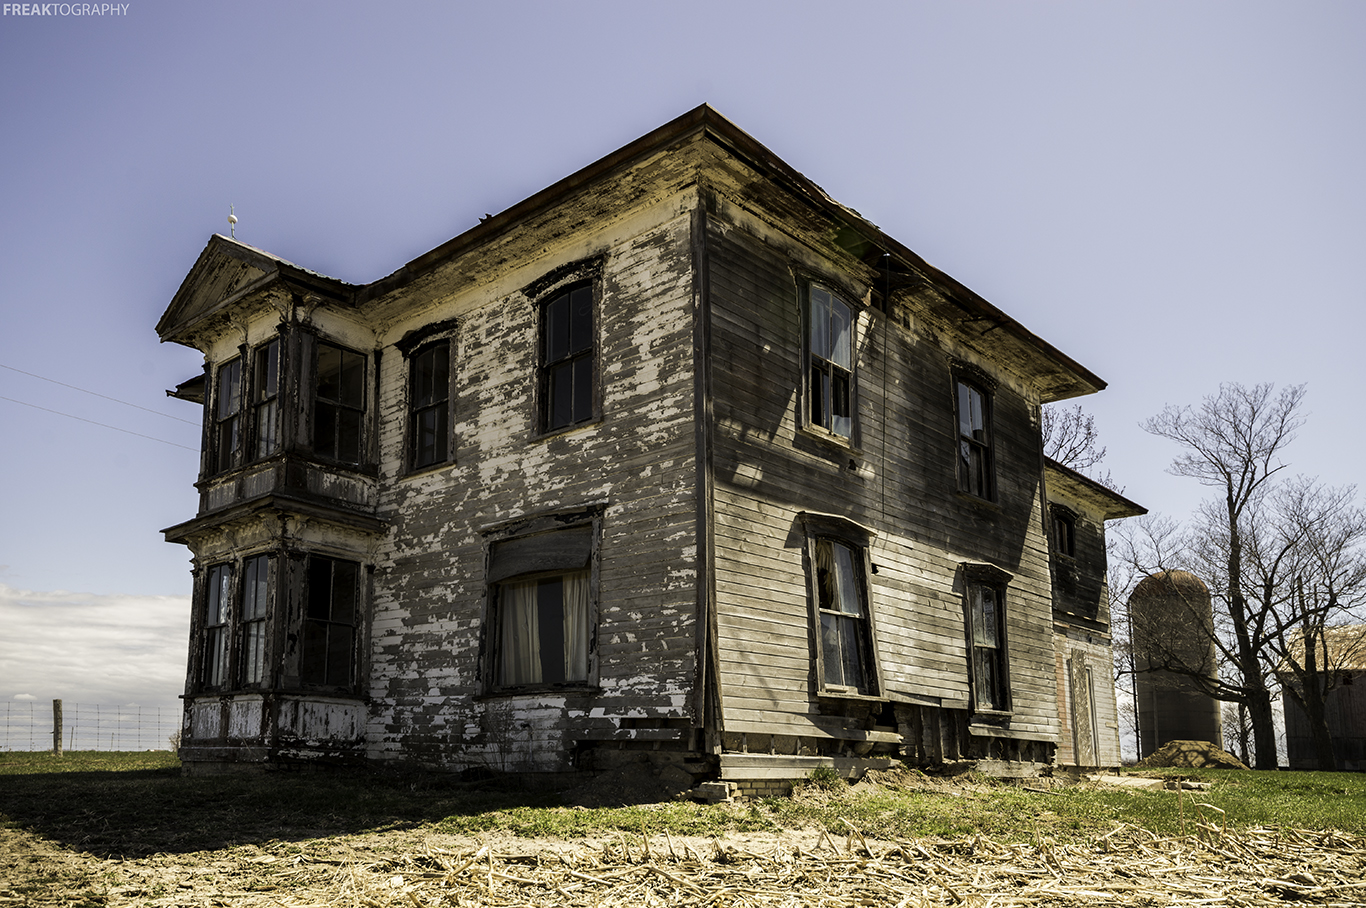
(897,478)
(638,463)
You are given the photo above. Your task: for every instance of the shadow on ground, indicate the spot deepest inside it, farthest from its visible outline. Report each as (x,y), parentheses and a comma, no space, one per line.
(138,813)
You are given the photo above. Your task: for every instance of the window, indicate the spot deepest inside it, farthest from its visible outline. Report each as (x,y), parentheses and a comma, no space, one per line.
(837,562)
(217,596)
(251,658)
(227,415)
(542,603)
(338,404)
(266,398)
(1064,532)
(989,677)
(567,371)
(975,469)
(429,404)
(844,618)
(830,360)
(329,629)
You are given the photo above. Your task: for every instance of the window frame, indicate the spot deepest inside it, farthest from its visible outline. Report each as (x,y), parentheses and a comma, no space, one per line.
(979,578)
(254,614)
(443,407)
(976,475)
(215,628)
(1062,531)
(308,621)
(535,550)
(550,362)
(339,406)
(226,416)
(265,403)
(816,364)
(826,529)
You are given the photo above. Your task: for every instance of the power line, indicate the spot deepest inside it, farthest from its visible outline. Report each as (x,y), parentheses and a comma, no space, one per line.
(96,394)
(100,424)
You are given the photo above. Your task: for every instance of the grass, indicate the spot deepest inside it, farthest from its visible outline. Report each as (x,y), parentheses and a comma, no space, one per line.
(136,804)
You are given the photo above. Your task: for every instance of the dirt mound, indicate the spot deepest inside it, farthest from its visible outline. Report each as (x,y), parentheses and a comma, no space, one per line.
(1192,755)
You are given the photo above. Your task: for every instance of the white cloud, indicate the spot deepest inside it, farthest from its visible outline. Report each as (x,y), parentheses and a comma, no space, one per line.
(85,648)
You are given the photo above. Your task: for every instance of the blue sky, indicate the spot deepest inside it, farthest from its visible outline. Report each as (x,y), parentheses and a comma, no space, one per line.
(1171,193)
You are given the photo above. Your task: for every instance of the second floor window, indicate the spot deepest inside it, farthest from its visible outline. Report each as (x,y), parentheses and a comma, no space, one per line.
(266,398)
(227,416)
(567,361)
(976,472)
(429,405)
(339,404)
(830,347)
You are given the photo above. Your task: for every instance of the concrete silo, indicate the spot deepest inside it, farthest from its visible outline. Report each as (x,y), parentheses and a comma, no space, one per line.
(1172,623)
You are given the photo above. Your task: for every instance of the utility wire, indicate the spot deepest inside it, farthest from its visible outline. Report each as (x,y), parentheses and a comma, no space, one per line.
(100,424)
(96,394)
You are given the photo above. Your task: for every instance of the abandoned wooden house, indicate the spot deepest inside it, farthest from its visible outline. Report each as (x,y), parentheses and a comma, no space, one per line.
(677,461)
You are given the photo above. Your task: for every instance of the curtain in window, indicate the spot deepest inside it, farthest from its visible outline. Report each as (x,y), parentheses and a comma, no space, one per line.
(520,643)
(576,626)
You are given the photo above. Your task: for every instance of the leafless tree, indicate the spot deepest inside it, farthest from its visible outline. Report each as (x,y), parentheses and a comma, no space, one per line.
(1321,586)
(1070,438)
(1233,443)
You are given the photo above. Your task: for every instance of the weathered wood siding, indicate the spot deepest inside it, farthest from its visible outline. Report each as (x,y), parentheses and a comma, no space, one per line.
(898,478)
(638,462)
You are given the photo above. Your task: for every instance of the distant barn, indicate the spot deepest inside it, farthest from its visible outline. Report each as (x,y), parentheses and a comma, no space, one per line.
(1343,675)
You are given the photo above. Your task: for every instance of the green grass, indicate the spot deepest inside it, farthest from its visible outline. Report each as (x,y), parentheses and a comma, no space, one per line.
(135,804)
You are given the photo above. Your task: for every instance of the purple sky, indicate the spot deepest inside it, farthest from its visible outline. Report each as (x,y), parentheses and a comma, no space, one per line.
(1171,193)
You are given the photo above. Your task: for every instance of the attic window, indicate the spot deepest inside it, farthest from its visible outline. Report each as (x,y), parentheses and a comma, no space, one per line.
(1064,532)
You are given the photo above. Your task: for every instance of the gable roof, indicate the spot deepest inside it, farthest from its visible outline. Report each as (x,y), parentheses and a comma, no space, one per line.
(225,272)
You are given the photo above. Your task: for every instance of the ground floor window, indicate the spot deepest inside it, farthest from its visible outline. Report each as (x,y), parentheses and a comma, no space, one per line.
(217,627)
(838,565)
(329,628)
(543,632)
(542,609)
(989,665)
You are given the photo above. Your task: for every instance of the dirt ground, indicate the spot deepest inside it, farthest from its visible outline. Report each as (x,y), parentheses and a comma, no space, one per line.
(420,868)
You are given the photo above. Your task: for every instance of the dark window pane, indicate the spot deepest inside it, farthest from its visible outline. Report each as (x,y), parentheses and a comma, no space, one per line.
(313,659)
(329,372)
(581,320)
(228,439)
(583,389)
(550,608)
(560,392)
(320,588)
(352,379)
(348,436)
(345,585)
(325,431)
(339,647)
(557,329)
(841,420)
(820,396)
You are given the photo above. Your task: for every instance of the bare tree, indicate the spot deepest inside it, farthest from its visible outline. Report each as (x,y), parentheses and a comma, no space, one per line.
(1322,585)
(1070,438)
(1233,442)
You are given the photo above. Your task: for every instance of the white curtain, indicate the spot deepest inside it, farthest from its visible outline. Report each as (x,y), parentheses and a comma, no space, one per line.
(576,626)
(520,646)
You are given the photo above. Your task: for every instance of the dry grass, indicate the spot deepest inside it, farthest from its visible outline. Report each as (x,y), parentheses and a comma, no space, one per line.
(148,837)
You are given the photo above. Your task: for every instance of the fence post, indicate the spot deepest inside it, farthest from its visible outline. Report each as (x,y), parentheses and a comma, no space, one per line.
(57,728)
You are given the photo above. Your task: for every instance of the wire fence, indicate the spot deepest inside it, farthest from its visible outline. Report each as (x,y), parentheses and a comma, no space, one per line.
(29,725)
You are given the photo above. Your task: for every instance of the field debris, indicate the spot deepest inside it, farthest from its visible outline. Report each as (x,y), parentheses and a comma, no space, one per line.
(423,869)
